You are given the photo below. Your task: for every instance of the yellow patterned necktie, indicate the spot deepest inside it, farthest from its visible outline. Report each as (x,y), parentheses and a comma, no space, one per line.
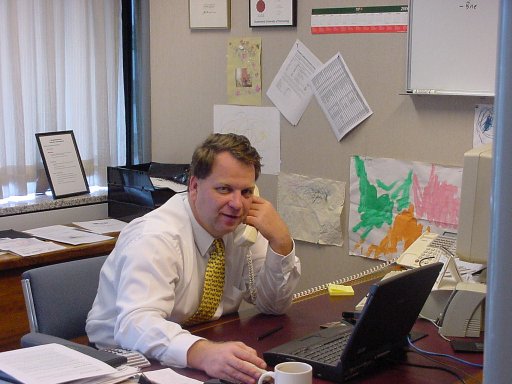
(213,285)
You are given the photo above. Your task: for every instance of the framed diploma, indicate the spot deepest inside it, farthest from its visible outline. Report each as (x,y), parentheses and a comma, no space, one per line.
(272,13)
(206,14)
(62,164)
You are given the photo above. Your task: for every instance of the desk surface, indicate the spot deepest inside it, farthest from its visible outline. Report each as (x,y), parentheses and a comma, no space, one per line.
(307,314)
(11,261)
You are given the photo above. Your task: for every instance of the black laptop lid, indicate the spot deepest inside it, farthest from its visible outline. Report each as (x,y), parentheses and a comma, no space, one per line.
(392,307)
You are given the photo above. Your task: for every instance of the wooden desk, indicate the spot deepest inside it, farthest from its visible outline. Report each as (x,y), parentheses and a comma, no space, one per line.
(307,314)
(13,315)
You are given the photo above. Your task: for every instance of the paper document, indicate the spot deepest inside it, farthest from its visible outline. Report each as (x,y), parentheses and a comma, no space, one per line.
(29,246)
(68,235)
(167,375)
(102,226)
(339,96)
(122,374)
(261,125)
(291,90)
(159,182)
(483,125)
(51,364)
(311,207)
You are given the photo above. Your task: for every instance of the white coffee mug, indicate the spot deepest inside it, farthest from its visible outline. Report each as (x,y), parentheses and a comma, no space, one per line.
(291,372)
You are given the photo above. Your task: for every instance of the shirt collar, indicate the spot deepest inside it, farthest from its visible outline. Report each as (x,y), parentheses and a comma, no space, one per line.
(202,238)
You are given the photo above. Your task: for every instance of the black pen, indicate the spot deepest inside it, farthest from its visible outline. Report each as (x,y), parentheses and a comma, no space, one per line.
(270,332)
(144,380)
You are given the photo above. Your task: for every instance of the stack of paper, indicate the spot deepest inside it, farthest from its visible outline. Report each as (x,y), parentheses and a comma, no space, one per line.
(102,226)
(56,364)
(28,246)
(67,235)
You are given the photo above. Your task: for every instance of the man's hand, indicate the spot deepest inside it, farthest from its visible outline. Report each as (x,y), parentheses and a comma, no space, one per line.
(263,216)
(233,360)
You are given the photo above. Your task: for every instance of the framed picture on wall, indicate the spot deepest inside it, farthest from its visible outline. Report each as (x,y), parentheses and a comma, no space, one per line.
(62,164)
(208,14)
(272,13)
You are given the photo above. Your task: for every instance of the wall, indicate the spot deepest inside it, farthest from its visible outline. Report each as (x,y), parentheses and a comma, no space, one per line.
(188,77)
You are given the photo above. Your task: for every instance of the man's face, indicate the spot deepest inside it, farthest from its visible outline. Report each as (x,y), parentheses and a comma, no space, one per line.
(221,201)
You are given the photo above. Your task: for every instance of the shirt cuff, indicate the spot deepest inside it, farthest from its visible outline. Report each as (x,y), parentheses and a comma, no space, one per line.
(281,263)
(176,354)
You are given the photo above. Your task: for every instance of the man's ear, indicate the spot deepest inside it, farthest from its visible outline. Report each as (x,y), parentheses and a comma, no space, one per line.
(192,186)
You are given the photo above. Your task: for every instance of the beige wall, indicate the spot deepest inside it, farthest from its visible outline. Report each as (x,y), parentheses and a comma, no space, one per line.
(188,77)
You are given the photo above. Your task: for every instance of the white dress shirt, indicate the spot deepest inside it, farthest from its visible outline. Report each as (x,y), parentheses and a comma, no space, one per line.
(152,282)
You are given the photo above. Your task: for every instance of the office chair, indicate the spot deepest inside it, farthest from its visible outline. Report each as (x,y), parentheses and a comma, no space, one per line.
(58,297)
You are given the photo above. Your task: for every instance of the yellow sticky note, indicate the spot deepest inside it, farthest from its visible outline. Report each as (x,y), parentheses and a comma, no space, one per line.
(340,290)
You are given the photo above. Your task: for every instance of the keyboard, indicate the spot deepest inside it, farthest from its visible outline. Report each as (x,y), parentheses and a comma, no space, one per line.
(328,353)
(427,249)
(134,358)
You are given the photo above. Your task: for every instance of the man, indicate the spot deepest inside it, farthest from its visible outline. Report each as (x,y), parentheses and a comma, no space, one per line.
(152,282)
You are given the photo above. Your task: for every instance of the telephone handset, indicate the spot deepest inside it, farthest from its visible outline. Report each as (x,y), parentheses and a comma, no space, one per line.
(245,235)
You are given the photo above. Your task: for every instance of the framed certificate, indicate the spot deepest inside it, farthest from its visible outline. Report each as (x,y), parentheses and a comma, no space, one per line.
(62,164)
(206,14)
(272,13)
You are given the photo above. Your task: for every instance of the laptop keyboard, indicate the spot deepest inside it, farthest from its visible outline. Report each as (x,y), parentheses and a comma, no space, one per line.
(328,353)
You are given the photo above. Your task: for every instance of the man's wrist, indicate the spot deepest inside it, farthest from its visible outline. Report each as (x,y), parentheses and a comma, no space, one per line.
(196,353)
(282,247)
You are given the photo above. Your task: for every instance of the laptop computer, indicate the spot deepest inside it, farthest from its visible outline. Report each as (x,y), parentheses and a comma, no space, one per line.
(392,307)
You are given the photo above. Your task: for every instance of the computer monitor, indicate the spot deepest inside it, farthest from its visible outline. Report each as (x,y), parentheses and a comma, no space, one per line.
(475,205)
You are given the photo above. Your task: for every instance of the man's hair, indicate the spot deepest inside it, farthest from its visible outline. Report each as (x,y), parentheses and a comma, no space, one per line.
(238,146)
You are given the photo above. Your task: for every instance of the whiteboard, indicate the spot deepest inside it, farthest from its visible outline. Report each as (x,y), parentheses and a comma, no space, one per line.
(452,46)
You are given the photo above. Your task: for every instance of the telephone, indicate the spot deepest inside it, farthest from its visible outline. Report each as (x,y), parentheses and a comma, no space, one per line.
(431,248)
(428,248)
(245,235)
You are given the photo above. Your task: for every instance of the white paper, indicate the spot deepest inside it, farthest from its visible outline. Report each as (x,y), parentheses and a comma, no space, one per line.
(483,126)
(312,208)
(209,14)
(393,201)
(339,96)
(159,182)
(51,364)
(67,235)
(469,271)
(261,125)
(63,164)
(29,246)
(122,375)
(291,89)
(167,375)
(102,226)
